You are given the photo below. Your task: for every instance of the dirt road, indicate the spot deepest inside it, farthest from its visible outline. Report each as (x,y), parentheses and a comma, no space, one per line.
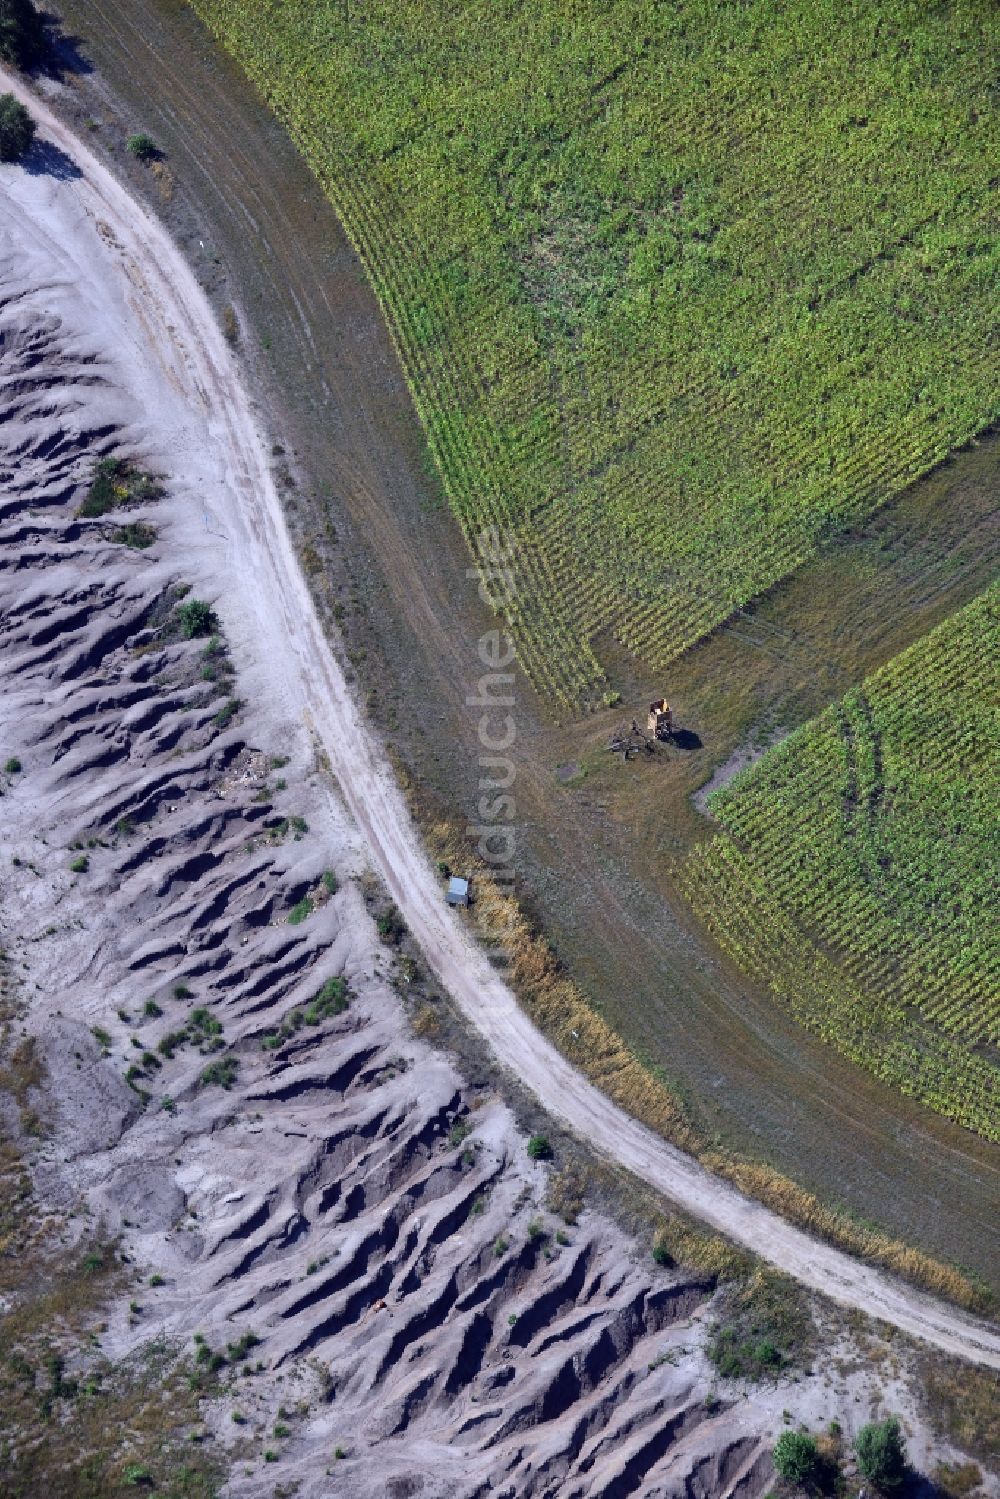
(279,615)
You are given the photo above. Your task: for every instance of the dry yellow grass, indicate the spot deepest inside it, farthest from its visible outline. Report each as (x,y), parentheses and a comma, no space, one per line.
(708,1253)
(798,1206)
(962,1403)
(562,1012)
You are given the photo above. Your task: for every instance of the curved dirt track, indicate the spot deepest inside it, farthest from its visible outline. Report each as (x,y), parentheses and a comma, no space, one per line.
(285,621)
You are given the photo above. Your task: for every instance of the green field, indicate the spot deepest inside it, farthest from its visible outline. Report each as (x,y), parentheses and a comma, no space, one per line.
(681,290)
(859,870)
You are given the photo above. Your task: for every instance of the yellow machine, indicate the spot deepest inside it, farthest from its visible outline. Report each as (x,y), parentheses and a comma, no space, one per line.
(661,721)
(628,742)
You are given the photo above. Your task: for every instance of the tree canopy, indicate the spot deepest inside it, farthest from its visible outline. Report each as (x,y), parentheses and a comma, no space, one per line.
(882,1453)
(17,128)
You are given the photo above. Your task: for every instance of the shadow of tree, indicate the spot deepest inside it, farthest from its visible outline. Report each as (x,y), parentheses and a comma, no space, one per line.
(46,160)
(64,56)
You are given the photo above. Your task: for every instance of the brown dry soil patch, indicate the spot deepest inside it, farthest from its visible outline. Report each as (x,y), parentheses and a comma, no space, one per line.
(595,855)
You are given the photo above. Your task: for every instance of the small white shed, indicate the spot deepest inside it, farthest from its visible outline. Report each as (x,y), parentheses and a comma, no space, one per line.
(458,891)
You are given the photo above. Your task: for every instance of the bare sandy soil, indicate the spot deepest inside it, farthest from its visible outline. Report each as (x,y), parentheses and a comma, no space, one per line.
(407,1284)
(742,757)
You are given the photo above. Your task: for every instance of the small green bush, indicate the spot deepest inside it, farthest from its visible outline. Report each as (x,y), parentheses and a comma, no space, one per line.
(12,766)
(391,926)
(202,1023)
(116,482)
(102,495)
(745,1359)
(80,864)
(796,1456)
(227,713)
(142,147)
(328,1001)
(300,911)
(137,535)
(238,1351)
(210,1358)
(17,129)
(539,1148)
(195,617)
(223,1072)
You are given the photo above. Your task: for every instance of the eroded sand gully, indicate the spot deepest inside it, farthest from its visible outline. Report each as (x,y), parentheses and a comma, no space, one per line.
(319,1201)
